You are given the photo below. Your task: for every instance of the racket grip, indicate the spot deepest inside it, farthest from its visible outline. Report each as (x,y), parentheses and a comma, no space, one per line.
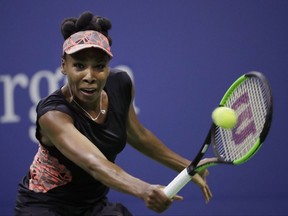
(177,183)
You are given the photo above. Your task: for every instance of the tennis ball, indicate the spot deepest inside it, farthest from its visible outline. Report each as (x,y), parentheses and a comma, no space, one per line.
(224,117)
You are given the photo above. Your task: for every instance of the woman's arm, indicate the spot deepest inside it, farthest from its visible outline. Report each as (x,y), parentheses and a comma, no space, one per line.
(146,142)
(58,130)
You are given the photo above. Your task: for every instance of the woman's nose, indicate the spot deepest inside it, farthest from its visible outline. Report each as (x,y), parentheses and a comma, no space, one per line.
(90,75)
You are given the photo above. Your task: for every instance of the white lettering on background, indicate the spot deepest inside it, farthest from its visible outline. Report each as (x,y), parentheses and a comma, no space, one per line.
(54,80)
(9,85)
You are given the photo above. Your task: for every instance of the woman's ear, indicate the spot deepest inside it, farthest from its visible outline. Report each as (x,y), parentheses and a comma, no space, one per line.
(63,66)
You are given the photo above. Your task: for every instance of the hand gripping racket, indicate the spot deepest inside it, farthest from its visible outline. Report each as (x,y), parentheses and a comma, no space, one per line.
(250,97)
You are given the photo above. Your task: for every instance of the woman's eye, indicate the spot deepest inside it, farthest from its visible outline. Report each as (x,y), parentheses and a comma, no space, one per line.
(78,66)
(100,66)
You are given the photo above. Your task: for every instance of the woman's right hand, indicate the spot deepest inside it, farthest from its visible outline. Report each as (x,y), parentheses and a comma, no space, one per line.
(156,200)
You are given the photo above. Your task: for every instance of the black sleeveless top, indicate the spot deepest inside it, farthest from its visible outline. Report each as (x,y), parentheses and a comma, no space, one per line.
(52,176)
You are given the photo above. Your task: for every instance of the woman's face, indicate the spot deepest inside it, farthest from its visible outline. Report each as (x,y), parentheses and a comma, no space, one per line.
(87,72)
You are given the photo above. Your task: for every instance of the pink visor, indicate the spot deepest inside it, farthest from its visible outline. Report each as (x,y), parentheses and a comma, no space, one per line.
(86,39)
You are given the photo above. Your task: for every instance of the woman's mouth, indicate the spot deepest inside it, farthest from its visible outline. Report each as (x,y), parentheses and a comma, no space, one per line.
(88,91)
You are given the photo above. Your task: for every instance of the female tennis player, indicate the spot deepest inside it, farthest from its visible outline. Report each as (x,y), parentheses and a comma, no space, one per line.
(83,126)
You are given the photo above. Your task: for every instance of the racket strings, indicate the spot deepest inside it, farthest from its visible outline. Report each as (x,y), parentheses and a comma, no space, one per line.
(250,104)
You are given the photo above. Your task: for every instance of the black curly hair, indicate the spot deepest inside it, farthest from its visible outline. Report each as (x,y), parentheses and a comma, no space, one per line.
(86,21)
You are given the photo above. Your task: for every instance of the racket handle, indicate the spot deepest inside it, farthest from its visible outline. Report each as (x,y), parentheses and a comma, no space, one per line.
(177,183)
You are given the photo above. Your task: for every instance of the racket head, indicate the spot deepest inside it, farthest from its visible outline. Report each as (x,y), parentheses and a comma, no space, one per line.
(251,98)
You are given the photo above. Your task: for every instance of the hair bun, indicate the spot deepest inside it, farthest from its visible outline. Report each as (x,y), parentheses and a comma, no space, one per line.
(84,21)
(68,27)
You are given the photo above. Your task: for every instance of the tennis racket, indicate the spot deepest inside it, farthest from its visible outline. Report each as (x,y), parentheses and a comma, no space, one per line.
(250,97)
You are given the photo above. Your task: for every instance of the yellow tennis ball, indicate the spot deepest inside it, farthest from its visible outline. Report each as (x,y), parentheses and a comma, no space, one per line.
(224,117)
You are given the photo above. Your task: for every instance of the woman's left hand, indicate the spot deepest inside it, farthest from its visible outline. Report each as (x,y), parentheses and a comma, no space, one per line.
(200,179)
